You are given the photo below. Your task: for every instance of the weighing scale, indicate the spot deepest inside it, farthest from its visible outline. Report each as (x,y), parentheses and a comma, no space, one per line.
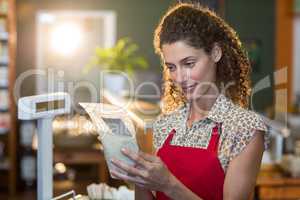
(44,108)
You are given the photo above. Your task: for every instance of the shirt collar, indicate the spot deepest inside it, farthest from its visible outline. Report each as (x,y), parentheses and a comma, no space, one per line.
(219,110)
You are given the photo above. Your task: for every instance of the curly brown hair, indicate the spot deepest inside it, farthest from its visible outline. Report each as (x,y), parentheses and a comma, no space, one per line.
(200,27)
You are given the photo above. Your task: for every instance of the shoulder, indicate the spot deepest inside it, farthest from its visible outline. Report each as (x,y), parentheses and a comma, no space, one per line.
(244,120)
(241,126)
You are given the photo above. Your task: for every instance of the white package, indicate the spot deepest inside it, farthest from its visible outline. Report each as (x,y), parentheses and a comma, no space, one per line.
(4,99)
(3,76)
(103,191)
(115,129)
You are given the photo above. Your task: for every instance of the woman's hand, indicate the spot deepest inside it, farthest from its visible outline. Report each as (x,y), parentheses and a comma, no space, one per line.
(149,172)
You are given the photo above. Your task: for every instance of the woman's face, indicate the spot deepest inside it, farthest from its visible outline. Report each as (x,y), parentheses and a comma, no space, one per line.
(193,70)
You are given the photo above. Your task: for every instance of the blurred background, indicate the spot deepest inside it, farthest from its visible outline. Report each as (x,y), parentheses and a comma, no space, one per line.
(80,47)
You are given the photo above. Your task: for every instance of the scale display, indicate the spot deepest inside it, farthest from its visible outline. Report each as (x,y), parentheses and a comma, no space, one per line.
(44,106)
(49,105)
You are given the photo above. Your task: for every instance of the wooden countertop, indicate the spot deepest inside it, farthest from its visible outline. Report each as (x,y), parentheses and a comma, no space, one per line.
(272,183)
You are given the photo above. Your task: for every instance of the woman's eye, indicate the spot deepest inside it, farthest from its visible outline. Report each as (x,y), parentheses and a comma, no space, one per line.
(171,68)
(191,64)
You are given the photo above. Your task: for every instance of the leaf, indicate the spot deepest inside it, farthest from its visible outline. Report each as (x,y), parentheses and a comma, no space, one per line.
(123,56)
(141,62)
(130,50)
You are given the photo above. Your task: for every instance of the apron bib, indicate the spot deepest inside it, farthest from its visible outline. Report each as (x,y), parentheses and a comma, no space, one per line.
(197,168)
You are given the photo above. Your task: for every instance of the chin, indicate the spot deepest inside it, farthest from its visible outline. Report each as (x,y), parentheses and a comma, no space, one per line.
(189,97)
(193,96)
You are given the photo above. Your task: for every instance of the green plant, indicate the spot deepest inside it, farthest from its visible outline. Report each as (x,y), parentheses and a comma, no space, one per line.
(121,57)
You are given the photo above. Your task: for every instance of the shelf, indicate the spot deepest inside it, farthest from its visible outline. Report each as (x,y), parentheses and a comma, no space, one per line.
(3,87)
(8,59)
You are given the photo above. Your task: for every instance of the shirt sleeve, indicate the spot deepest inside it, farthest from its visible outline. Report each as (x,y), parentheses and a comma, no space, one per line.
(248,127)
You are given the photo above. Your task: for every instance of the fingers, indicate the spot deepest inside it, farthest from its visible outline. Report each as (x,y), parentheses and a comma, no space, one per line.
(145,156)
(148,157)
(136,157)
(142,186)
(129,169)
(125,177)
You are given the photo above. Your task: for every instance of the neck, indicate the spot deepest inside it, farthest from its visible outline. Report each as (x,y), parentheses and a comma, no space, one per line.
(201,106)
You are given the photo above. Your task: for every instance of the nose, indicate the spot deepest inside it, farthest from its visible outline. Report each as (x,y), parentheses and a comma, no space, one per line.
(182,75)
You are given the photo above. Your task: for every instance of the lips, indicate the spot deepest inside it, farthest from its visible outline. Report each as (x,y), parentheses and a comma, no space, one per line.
(187,88)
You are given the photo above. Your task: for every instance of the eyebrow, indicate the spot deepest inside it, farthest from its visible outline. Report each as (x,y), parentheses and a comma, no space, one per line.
(182,60)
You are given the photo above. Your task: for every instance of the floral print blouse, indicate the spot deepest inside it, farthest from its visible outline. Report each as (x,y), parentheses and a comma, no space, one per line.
(238,127)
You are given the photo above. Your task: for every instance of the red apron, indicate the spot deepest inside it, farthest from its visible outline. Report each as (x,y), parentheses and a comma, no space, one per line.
(198,169)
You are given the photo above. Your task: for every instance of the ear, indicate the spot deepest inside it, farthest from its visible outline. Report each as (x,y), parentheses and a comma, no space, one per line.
(216,53)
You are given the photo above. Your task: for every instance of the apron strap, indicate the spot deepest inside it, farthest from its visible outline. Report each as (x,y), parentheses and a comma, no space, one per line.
(169,137)
(214,139)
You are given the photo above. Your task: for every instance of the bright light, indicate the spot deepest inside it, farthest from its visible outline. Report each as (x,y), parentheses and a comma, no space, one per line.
(66,38)
(46,18)
(60,168)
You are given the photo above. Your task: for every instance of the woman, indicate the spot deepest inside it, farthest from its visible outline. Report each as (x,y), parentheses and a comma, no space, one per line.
(208,145)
